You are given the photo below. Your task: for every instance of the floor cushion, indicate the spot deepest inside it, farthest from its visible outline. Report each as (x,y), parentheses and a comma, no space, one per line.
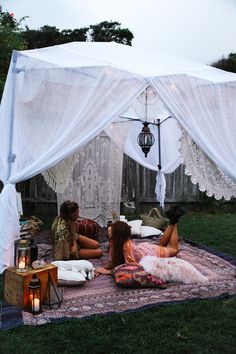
(87,227)
(133,275)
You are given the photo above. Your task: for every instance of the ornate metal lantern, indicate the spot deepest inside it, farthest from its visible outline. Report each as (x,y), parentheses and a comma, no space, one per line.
(145,139)
(22,256)
(34,295)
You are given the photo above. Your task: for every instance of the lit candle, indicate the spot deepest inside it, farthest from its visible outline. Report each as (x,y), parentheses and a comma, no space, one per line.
(22,263)
(35,305)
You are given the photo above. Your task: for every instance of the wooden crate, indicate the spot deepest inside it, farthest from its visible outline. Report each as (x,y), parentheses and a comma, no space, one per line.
(16,284)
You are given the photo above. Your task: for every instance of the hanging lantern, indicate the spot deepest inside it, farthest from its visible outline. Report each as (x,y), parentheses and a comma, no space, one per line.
(145,139)
(22,256)
(52,296)
(34,295)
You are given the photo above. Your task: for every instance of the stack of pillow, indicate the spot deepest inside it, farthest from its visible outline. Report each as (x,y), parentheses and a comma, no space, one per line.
(73,273)
(137,230)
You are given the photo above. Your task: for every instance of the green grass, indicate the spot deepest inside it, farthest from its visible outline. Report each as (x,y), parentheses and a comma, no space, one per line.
(195,327)
(217,231)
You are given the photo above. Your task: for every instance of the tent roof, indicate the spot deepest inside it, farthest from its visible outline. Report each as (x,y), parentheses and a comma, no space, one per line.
(144,63)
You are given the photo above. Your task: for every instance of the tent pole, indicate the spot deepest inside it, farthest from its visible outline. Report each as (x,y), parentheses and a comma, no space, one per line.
(11,156)
(137,189)
(159,144)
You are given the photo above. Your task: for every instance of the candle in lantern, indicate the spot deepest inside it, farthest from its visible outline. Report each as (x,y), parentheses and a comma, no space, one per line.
(35,305)
(22,260)
(22,263)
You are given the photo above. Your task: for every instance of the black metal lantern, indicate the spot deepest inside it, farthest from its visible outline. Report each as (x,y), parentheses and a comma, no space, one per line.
(22,256)
(34,295)
(145,139)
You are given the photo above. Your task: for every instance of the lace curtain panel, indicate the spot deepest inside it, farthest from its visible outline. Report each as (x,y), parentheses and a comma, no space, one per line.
(95,183)
(57,177)
(204,171)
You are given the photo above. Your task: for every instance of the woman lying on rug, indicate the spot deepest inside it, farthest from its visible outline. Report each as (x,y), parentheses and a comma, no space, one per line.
(125,250)
(67,243)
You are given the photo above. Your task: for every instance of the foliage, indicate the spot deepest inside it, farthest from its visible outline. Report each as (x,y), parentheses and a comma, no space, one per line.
(11,38)
(102,32)
(110,31)
(227,64)
(197,327)
(48,35)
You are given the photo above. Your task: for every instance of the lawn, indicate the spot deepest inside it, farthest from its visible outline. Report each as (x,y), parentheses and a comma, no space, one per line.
(194,327)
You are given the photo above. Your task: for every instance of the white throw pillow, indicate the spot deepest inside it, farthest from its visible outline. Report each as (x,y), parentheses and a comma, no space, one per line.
(135,226)
(75,265)
(70,278)
(83,268)
(147,231)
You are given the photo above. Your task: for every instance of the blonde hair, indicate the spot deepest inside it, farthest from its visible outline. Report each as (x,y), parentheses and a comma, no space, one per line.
(67,208)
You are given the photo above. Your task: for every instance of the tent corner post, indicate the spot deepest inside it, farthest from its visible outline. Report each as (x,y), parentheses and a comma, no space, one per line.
(11,155)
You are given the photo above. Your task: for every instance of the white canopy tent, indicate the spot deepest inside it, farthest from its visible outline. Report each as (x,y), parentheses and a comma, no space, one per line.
(57,99)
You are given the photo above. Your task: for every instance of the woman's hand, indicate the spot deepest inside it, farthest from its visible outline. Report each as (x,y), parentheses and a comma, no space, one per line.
(102,270)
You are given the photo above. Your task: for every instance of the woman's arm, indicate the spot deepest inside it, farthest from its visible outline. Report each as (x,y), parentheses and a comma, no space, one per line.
(128,252)
(102,270)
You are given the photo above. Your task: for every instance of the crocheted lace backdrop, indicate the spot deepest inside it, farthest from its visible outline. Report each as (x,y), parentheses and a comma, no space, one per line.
(95,183)
(57,177)
(204,171)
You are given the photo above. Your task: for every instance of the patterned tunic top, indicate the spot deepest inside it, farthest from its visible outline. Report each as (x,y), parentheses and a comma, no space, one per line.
(133,252)
(63,236)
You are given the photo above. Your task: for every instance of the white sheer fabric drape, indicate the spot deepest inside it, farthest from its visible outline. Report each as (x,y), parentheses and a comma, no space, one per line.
(148,106)
(208,114)
(124,134)
(96,180)
(51,114)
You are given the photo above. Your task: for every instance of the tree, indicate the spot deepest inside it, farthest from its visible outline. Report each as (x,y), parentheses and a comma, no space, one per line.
(102,32)
(110,31)
(10,38)
(50,35)
(78,34)
(227,64)
(43,37)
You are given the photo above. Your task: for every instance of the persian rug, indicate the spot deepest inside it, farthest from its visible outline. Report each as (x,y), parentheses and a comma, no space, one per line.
(101,296)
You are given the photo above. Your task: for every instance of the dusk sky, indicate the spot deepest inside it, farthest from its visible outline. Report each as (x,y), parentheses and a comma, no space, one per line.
(200,30)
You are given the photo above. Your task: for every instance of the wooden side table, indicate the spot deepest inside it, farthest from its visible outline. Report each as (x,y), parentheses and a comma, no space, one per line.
(16,283)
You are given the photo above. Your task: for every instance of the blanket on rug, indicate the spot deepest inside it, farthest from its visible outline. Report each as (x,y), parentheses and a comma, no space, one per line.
(101,296)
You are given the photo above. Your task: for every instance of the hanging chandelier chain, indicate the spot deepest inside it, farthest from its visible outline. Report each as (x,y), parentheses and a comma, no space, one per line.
(146,99)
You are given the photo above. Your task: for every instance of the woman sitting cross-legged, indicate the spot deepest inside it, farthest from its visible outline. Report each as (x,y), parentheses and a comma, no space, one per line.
(124,250)
(67,243)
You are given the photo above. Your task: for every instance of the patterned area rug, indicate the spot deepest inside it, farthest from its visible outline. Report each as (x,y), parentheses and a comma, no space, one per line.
(101,296)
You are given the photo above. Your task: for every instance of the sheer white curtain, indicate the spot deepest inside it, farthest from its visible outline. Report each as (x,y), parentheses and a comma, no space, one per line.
(207,112)
(53,113)
(148,106)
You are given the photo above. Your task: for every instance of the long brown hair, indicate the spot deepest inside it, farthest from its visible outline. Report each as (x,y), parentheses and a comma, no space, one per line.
(121,233)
